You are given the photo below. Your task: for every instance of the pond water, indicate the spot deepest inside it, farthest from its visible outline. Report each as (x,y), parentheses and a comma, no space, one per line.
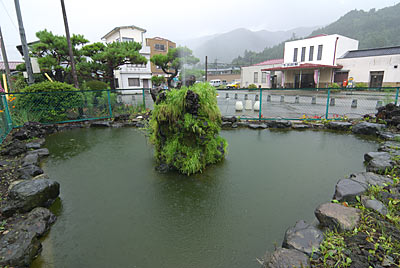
(115,210)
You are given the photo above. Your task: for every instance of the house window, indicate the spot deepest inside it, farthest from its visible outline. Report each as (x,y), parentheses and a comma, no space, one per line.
(127,39)
(303,54)
(255,77)
(133,82)
(319,55)
(311,55)
(159,47)
(295,54)
(263,77)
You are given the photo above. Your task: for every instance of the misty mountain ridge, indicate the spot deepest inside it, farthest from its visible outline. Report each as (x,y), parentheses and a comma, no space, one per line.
(238,41)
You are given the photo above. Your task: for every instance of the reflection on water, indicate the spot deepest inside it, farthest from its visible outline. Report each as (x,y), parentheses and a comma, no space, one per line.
(117,211)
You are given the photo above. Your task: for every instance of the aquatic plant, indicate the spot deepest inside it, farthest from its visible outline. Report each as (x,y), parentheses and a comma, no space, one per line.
(184,128)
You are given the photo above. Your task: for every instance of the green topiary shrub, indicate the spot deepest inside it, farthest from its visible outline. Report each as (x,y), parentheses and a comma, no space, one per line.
(50,101)
(335,85)
(184,128)
(361,85)
(252,86)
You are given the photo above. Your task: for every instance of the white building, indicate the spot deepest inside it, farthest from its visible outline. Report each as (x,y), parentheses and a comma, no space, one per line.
(312,62)
(376,67)
(131,76)
(266,79)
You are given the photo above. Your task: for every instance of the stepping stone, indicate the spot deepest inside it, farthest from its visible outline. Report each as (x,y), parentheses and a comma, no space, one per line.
(337,216)
(303,237)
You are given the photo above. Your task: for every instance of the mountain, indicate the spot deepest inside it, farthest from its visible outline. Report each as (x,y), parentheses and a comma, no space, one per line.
(239,40)
(374,28)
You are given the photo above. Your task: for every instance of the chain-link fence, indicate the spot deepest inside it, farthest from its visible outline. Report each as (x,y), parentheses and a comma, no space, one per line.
(251,104)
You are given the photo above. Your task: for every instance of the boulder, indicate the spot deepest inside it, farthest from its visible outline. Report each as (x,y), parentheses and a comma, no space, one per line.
(287,258)
(100,124)
(388,135)
(303,237)
(347,190)
(279,124)
(333,216)
(29,171)
(369,178)
(376,205)
(341,126)
(19,248)
(40,152)
(30,159)
(379,162)
(300,126)
(226,124)
(231,119)
(4,163)
(121,117)
(257,126)
(26,195)
(36,144)
(374,155)
(117,125)
(37,221)
(14,148)
(366,128)
(390,147)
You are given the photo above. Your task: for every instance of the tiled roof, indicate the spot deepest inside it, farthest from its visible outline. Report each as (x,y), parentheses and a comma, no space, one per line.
(11,64)
(372,52)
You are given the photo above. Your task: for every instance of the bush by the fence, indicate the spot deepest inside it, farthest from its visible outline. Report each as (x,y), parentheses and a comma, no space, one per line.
(49,102)
(252,86)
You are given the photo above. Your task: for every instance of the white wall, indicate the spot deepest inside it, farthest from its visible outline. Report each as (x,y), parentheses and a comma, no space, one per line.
(344,44)
(247,75)
(360,68)
(134,33)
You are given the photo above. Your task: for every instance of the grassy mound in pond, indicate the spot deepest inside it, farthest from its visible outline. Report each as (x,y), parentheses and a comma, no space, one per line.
(184,128)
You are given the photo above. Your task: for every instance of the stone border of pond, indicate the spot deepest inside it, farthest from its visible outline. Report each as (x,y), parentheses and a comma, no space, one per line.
(27,193)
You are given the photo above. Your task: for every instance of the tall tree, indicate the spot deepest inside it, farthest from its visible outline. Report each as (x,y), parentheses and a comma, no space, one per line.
(105,58)
(172,62)
(52,53)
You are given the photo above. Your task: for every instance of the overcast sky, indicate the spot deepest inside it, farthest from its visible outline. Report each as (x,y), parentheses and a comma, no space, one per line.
(172,19)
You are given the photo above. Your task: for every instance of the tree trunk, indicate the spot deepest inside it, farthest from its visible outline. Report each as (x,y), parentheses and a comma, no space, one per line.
(110,75)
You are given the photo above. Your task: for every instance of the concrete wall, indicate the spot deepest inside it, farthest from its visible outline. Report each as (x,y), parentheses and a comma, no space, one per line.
(360,68)
(344,44)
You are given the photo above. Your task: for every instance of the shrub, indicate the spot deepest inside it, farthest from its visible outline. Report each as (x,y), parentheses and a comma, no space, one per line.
(361,85)
(252,86)
(96,85)
(49,101)
(184,128)
(335,85)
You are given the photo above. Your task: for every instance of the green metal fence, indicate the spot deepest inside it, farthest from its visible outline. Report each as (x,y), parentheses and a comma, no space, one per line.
(248,104)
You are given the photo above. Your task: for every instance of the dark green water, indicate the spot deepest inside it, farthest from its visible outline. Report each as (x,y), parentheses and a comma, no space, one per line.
(116,211)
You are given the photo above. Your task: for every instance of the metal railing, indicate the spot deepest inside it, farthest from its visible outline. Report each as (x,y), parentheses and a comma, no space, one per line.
(247,104)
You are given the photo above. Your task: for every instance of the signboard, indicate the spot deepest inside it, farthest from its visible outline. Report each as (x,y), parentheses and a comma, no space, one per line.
(35,66)
(291,64)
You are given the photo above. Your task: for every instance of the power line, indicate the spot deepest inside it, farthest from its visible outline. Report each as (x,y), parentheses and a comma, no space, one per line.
(8,14)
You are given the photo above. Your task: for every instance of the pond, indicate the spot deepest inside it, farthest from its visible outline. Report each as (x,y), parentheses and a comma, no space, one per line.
(115,210)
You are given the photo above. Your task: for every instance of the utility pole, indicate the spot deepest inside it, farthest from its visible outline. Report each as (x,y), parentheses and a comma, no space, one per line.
(206,67)
(71,54)
(25,50)
(5,60)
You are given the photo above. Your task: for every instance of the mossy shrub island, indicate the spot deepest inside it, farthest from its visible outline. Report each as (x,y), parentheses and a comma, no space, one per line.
(184,128)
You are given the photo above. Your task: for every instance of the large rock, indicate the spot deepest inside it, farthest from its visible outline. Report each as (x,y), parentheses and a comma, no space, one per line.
(379,162)
(19,248)
(40,152)
(333,216)
(376,205)
(303,237)
(369,178)
(29,171)
(14,148)
(366,128)
(121,117)
(26,195)
(36,144)
(374,155)
(100,124)
(257,126)
(287,258)
(390,147)
(30,159)
(341,126)
(279,124)
(301,126)
(347,190)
